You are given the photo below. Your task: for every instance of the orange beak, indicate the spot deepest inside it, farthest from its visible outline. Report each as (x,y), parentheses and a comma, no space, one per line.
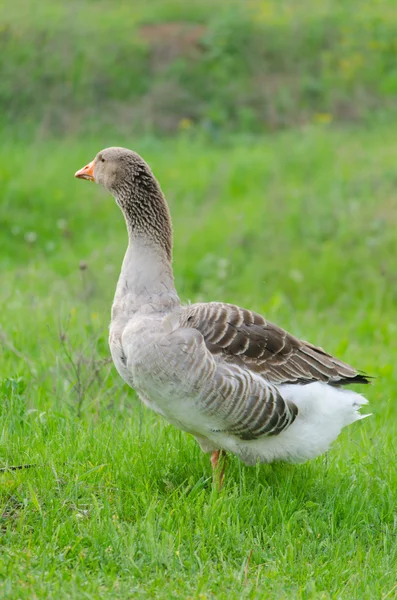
(86,172)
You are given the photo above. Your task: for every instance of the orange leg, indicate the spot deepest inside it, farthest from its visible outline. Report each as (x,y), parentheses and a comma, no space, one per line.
(218,460)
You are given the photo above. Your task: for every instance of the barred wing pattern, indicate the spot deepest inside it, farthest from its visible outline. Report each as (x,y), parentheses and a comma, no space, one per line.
(244,338)
(248,406)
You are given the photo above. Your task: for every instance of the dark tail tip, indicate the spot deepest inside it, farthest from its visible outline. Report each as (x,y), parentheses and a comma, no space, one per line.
(361,378)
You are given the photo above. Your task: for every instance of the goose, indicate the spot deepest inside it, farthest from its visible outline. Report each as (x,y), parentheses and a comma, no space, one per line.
(235,381)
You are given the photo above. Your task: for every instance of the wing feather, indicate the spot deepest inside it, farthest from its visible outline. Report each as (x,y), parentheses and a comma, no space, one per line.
(246,405)
(246,339)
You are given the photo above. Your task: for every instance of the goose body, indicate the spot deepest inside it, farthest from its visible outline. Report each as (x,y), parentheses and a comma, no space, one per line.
(222,373)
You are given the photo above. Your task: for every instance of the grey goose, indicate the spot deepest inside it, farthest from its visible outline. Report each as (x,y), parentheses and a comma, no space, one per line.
(222,373)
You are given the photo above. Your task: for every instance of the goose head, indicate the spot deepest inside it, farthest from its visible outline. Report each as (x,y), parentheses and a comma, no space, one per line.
(116,169)
(129,179)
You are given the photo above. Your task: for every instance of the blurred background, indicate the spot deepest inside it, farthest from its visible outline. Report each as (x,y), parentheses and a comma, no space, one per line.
(168,65)
(271,126)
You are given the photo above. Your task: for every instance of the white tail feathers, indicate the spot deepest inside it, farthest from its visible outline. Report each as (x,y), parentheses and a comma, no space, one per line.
(323,411)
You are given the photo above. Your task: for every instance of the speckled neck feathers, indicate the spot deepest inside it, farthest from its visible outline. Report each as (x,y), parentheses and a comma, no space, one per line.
(145,209)
(146,277)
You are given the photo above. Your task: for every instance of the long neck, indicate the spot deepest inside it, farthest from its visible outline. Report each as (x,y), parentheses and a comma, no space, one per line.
(146,276)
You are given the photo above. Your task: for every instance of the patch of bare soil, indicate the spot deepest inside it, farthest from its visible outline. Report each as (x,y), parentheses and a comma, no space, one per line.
(170,41)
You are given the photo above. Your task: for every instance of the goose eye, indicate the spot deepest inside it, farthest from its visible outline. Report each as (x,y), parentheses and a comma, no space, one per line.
(102,159)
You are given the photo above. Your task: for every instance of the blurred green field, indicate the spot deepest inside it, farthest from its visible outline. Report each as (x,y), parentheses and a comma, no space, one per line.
(164,65)
(300,226)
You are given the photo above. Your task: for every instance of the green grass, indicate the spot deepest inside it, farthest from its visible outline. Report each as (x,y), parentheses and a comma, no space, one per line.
(300,226)
(250,65)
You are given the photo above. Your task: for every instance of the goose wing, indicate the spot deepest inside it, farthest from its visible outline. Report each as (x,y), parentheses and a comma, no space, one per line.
(244,338)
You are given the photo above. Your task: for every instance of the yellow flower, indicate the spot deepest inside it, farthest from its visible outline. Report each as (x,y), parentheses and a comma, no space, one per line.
(322,118)
(350,65)
(185,123)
